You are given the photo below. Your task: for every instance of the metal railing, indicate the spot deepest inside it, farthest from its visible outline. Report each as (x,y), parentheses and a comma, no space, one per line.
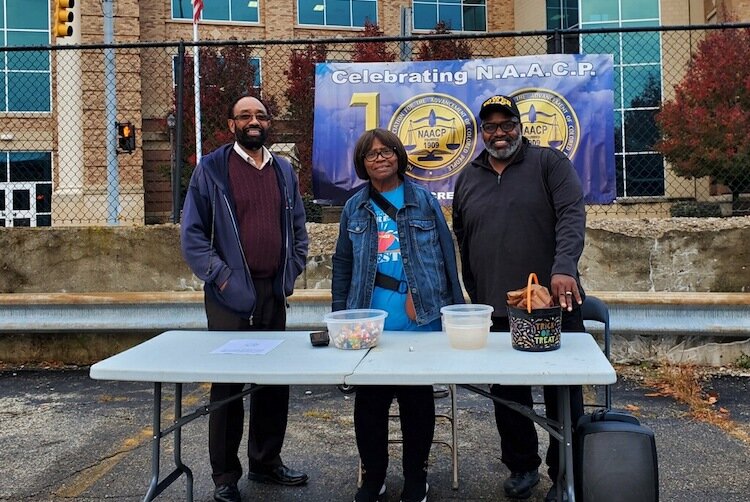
(631,313)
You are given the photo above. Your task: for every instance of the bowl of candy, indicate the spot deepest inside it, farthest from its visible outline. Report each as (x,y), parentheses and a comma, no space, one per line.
(356,328)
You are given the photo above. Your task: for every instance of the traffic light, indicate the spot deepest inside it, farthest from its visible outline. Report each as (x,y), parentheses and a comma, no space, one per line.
(63,16)
(126,136)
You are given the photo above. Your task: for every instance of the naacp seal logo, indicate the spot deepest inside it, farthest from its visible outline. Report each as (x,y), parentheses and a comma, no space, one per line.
(548,120)
(439,134)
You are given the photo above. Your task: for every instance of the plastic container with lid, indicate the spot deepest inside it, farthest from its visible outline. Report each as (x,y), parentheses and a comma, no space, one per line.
(467,325)
(355,328)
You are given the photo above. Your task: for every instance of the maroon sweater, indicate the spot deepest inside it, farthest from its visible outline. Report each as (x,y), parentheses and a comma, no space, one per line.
(258,203)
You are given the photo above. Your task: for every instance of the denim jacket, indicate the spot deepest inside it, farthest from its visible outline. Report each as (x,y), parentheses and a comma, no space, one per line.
(427,254)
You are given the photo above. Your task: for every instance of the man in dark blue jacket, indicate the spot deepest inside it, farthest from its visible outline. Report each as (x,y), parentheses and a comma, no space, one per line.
(243,233)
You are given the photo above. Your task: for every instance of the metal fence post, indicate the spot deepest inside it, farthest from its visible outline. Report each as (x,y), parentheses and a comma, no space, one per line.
(179,68)
(557,41)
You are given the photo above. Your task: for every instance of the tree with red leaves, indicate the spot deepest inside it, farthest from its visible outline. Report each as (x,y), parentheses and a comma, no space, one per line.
(705,127)
(443,49)
(225,74)
(300,93)
(371,52)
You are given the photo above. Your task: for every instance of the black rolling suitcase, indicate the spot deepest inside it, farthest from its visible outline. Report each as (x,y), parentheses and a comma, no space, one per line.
(615,459)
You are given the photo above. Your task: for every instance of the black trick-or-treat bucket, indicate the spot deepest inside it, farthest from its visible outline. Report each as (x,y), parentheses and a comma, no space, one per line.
(535,330)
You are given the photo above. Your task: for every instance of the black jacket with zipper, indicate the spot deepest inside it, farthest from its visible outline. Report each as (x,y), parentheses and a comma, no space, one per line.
(529,219)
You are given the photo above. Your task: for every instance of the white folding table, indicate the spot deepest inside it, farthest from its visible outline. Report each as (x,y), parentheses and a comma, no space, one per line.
(180,357)
(408,358)
(403,358)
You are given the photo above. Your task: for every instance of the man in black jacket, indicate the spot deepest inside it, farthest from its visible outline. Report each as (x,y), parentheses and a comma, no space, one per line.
(517,209)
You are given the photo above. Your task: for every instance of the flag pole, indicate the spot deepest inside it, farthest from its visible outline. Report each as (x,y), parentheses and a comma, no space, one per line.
(197,87)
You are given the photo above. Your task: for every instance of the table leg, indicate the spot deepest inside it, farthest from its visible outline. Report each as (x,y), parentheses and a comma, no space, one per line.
(156,486)
(454,436)
(178,443)
(566,446)
(155,444)
(562,430)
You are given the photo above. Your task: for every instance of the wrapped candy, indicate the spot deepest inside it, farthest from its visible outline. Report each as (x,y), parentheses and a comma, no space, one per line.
(535,323)
(539,297)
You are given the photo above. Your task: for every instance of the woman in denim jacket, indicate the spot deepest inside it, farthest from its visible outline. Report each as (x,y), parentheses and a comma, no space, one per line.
(406,266)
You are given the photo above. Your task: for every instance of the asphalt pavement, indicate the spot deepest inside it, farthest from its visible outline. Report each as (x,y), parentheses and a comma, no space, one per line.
(64,436)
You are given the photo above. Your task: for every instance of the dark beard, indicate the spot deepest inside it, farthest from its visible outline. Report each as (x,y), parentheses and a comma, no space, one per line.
(250,142)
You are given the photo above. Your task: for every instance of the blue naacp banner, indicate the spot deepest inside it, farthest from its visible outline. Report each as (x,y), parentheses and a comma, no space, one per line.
(565,100)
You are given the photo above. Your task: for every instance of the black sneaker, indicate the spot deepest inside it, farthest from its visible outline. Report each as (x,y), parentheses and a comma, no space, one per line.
(415,493)
(520,484)
(365,495)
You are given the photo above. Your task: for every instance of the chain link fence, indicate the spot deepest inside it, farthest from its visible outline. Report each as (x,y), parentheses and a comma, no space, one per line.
(64,160)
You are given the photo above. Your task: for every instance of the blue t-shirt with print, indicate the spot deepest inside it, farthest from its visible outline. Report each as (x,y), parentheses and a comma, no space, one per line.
(389,263)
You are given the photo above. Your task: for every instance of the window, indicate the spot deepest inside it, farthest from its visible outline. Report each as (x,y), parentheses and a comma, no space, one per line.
(25,82)
(344,13)
(241,11)
(638,73)
(562,15)
(458,15)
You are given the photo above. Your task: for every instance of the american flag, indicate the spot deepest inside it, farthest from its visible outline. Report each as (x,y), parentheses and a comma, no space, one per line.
(197,8)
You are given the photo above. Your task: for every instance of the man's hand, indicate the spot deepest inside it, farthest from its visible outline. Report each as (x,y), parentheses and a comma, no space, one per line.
(565,291)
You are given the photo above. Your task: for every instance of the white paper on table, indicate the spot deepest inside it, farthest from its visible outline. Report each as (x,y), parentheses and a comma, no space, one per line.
(255,347)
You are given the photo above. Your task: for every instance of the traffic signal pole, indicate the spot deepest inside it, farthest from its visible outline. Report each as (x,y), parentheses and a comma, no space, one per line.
(110,105)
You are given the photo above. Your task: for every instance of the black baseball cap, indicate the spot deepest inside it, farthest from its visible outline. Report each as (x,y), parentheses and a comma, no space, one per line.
(499,103)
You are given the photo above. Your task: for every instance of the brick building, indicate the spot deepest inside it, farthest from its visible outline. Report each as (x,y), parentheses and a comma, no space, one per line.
(59,163)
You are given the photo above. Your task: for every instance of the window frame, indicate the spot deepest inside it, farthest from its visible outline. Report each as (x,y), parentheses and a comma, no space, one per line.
(350,26)
(462,6)
(229,20)
(21,67)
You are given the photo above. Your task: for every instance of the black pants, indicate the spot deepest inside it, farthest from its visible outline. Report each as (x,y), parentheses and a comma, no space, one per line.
(268,405)
(518,438)
(417,412)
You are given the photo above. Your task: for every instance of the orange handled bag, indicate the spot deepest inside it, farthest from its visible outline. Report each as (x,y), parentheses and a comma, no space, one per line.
(534,329)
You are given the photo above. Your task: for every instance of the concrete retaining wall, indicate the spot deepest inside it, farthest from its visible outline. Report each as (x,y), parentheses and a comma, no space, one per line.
(96,259)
